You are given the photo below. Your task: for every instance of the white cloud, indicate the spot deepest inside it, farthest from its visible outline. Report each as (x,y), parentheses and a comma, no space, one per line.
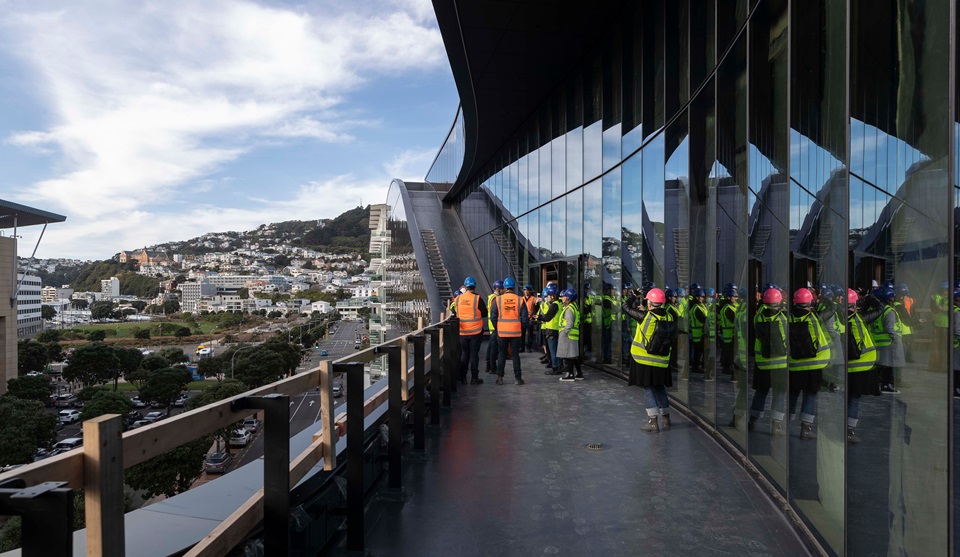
(147,99)
(411,165)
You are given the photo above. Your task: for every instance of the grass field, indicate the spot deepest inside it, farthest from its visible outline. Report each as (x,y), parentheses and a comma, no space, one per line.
(192,386)
(157,329)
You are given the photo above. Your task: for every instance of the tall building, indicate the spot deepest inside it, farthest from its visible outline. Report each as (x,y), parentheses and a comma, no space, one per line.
(12,217)
(732,145)
(29,302)
(110,288)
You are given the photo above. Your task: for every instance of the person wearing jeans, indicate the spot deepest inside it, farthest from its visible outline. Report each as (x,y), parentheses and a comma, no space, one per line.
(550,326)
(770,349)
(809,354)
(650,349)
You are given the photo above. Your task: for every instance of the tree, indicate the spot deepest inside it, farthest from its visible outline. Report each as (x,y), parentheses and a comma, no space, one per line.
(171,306)
(165,385)
(154,362)
(138,378)
(170,473)
(24,426)
(142,334)
(223,390)
(31,356)
(129,359)
(259,367)
(80,303)
(174,355)
(92,364)
(139,305)
(101,310)
(244,293)
(54,351)
(50,335)
(97,335)
(47,312)
(182,332)
(105,402)
(29,388)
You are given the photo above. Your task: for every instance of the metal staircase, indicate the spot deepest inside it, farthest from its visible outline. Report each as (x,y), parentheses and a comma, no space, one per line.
(509,252)
(437,269)
(681,251)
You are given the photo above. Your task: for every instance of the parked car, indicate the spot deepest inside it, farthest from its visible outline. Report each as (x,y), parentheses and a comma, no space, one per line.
(137,403)
(337,391)
(323,353)
(240,438)
(140,423)
(65,400)
(69,416)
(133,416)
(251,424)
(217,463)
(155,416)
(68,444)
(180,402)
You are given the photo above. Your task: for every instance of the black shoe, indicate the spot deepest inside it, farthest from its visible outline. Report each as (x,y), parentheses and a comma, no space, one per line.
(552,371)
(519,381)
(567,377)
(578,377)
(476,381)
(499,380)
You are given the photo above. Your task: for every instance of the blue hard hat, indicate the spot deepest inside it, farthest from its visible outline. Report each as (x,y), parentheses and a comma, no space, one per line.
(887,284)
(730,285)
(456,293)
(670,292)
(552,290)
(730,292)
(569,293)
(681,292)
(627,286)
(586,286)
(886,294)
(710,292)
(694,286)
(957,284)
(528,287)
(509,283)
(839,291)
(697,292)
(826,292)
(469,281)
(902,289)
(956,293)
(543,294)
(769,285)
(497,284)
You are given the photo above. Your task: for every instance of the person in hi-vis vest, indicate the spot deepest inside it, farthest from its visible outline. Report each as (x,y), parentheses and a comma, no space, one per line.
(861,362)
(650,350)
(507,315)
(471,311)
(809,354)
(568,343)
(492,345)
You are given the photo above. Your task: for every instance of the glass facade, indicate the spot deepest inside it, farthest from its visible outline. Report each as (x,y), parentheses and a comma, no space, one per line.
(750,146)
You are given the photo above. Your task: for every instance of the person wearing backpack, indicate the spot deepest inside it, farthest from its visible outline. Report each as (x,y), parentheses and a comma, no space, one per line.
(809,354)
(770,356)
(651,347)
(887,330)
(861,362)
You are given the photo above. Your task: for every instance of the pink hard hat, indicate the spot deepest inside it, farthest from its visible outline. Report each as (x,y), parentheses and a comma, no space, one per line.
(852,296)
(803,296)
(656,295)
(772,296)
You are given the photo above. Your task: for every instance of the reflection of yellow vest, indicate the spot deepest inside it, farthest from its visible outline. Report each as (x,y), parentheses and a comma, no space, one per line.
(820,340)
(904,328)
(868,352)
(881,337)
(642,337)
(773,362)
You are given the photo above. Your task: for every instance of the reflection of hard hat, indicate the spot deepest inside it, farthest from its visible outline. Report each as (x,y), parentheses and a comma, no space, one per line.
(694,286)
(772,296)
(956,293)
(697,293)
(803,296)
(552,290)
(886,294)
(570,294)
(731,291)
(852,296)
(945,285)
(902,289)
(826,292)
(711,292)
(681,292)
(509,283)
(627,286)
(670,293)
(497,284)
(469,282)
(528,287)
(656,295)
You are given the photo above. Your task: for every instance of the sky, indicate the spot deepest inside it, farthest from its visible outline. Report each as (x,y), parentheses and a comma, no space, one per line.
(152,121)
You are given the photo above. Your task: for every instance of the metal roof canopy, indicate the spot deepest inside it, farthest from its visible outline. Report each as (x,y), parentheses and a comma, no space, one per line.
(13,215)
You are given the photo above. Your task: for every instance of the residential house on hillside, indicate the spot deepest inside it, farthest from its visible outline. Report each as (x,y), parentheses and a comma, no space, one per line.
(144,256)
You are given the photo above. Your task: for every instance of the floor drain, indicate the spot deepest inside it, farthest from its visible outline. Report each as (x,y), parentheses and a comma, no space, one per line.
(595,446)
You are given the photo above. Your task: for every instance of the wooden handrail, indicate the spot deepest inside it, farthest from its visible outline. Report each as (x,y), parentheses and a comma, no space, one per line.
(144,443)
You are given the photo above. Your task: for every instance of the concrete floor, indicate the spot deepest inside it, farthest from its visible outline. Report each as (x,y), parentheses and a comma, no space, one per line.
(509,472)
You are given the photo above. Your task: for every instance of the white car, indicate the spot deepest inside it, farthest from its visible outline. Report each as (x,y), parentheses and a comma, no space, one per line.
(68,444)
(69,416)
(137,403)
(240,438)
(155,416)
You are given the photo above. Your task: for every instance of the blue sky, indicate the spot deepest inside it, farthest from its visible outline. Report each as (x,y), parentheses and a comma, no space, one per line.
(146,122)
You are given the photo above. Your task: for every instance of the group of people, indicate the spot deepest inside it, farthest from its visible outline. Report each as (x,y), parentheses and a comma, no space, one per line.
(826,329)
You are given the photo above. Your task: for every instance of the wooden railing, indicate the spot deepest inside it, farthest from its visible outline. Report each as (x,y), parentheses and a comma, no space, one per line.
(98,467)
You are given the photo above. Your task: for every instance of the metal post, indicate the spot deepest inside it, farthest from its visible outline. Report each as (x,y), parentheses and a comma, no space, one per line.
(452,367)
(355,441)
(394,416)
(434,375)
(444,354)
(419,407)
(47,513)
(276,468)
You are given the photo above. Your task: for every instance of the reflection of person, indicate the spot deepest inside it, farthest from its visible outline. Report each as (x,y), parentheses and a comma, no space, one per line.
(507,316)
(861,362)
(939,308)
(586,325)
(956,342)
(671,307)
(568,343)
(606,341)
(886,331)
(903,305)
(493,345)
(698,330)
(770,348)
(471,310)
(650,349)
(727,319)
(550,326)
(809,354)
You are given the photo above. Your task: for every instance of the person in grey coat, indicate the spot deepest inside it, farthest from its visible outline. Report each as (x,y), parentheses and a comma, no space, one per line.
(886,334)
(568,345)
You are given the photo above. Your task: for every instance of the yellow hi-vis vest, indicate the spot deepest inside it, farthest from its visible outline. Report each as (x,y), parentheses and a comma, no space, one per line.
(881,337)
(642,337)
(490,301)
(868,351)
(574,333)
(773,362)
(553,324)
(698,325)
(820,340)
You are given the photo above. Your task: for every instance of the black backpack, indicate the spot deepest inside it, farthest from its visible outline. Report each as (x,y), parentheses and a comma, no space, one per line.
(802,347)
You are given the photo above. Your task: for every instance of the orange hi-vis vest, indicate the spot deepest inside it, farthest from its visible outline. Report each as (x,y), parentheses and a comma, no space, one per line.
(531,304)
(508,315)
(468,310)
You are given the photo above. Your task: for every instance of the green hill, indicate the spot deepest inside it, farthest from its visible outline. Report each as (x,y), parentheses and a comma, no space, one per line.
(131,284)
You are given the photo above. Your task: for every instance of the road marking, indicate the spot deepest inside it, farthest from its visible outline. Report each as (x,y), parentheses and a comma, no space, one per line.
(312,402)
(298,408)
